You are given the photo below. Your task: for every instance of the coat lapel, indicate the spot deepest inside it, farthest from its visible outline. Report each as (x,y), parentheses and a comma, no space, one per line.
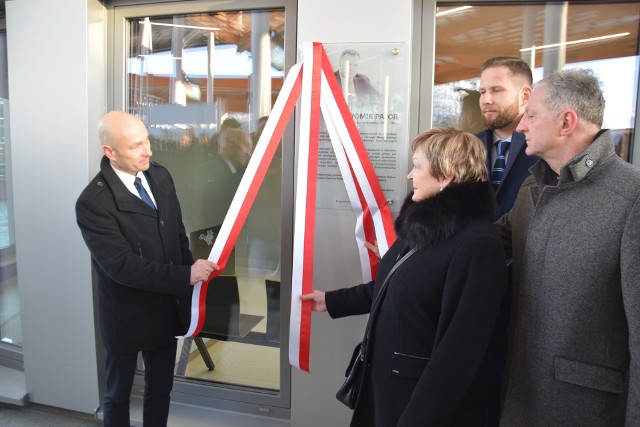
(157,183)
(517,146)
(125,201)
(487,139)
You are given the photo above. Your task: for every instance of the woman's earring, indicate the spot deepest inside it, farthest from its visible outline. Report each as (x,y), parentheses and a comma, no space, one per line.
(441,187)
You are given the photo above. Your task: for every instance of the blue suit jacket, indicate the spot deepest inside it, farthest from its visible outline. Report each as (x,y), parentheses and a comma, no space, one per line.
(517,169)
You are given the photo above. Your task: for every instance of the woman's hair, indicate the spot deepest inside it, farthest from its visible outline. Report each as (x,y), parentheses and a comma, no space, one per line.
(453,153)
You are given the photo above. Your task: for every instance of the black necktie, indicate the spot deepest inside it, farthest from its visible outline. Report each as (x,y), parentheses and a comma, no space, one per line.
(143,193)
(497,173)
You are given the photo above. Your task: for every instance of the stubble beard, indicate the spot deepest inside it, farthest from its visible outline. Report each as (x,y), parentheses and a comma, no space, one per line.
(504,118)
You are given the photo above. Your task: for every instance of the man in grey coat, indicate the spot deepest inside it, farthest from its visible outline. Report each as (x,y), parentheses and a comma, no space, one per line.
(574,235)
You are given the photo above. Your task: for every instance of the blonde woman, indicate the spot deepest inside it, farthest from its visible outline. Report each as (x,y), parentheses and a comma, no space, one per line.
(435,337)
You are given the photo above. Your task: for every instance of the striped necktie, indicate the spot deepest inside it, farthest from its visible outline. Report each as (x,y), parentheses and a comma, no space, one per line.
(143,193)
(497,173)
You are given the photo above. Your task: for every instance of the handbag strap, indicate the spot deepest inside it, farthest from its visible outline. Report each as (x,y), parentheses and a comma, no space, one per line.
(383,291)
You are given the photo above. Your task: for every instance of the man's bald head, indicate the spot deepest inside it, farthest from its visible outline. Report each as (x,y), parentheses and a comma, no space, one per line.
(115,125)
(125,141)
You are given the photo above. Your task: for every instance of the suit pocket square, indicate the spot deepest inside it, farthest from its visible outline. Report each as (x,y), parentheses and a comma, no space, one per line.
(597,377)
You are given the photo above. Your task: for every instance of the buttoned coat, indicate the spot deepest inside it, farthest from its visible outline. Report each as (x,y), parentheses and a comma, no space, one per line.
(434,341)
(516,169)
(575,348)
(141,257)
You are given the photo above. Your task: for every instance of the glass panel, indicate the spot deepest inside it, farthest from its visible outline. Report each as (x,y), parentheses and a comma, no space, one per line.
(371,76)
(204,84)
(552,36)
(10,326)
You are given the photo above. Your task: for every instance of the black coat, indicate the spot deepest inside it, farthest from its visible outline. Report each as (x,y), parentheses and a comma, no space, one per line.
(141,257)
(435,339)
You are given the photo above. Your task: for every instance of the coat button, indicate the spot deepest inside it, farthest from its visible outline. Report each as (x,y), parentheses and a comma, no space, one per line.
(161,222)
(588,162)
(100,184)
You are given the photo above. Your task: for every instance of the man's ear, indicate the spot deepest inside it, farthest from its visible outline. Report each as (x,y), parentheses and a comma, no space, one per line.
(526,94)
(108,152)
(569,122)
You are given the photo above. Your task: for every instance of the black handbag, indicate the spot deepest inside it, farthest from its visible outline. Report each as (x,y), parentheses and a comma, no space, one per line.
(348,392)
(350,389)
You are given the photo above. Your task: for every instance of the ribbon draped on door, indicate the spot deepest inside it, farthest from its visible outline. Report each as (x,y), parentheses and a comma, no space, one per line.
(313,82)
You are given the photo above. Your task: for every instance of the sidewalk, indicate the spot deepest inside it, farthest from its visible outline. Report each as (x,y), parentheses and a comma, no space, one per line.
(34,415)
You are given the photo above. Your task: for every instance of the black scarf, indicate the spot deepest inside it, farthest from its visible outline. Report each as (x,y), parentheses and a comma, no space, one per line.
(440,217)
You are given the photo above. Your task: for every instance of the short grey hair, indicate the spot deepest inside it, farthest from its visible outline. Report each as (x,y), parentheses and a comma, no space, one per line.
(578,89)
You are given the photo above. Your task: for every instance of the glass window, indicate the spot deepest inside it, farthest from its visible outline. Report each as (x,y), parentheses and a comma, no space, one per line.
(551,36)
(10,326)
(204,84)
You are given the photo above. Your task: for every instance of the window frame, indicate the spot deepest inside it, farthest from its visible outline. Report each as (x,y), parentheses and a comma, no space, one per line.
(190,391)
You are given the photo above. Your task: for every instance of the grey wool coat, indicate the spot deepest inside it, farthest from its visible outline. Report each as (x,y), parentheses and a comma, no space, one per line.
(574,356)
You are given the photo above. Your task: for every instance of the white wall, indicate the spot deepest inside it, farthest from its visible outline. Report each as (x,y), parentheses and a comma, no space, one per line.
(336,264)
(57,87)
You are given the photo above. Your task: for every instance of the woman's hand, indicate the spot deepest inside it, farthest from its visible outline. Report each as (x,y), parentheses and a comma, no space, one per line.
(317,298)
(373,247)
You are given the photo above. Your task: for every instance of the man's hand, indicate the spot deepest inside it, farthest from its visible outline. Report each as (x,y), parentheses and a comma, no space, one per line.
(201,269)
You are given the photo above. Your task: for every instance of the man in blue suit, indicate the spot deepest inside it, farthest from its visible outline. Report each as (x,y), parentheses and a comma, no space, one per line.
(505,86)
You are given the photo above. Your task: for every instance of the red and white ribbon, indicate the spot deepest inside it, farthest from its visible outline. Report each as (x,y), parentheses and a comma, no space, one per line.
(247,191)
(376,218)
(305,210)
(319,92)
(363,189)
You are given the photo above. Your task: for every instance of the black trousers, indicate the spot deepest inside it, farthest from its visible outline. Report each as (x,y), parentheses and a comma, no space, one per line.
(158,381)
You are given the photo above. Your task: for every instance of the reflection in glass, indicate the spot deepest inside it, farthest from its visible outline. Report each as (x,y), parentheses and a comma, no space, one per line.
(603,37)
(10,325)
(204,85)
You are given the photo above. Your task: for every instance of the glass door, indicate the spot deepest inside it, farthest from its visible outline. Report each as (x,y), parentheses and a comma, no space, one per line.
(204,80)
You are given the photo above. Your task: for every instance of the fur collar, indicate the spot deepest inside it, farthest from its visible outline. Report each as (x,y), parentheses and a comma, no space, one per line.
(440,217)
